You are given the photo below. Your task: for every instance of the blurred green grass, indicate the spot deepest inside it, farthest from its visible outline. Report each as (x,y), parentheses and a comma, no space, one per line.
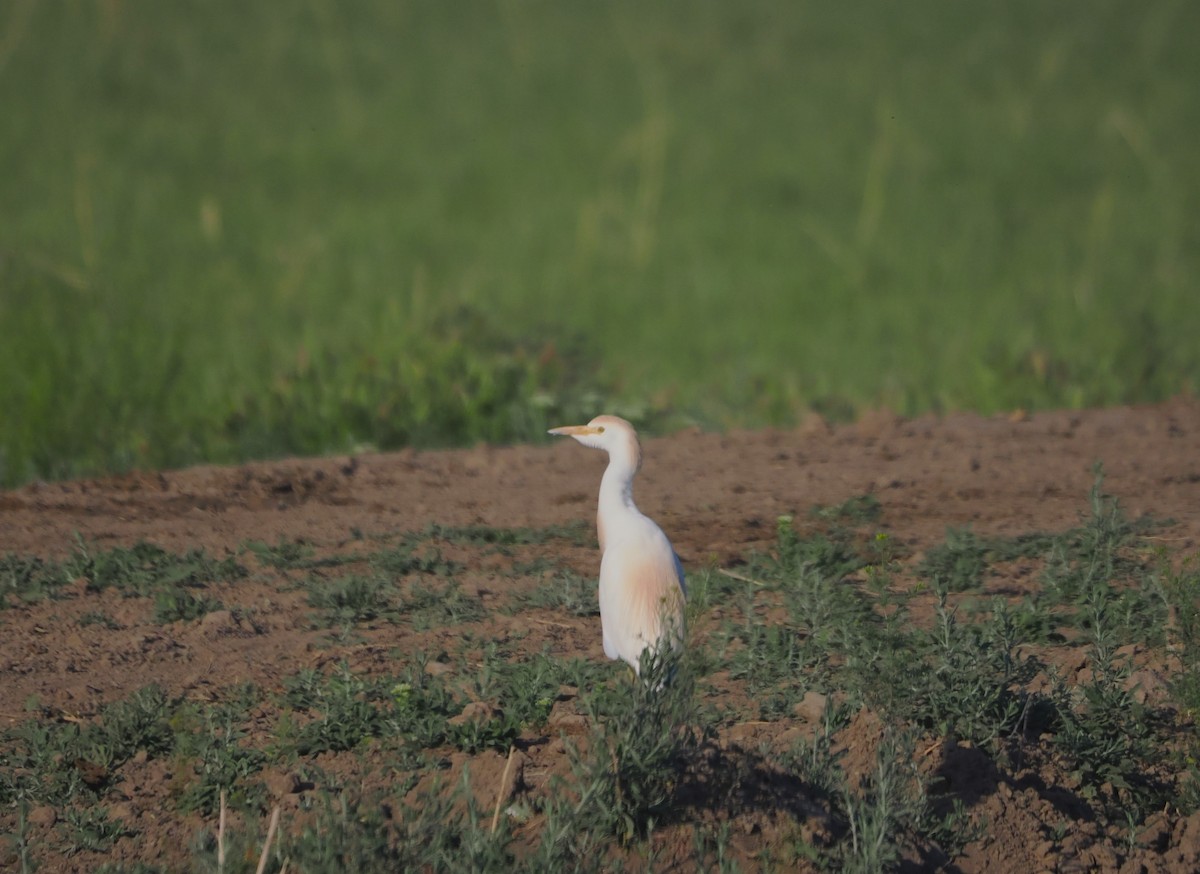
(233,231)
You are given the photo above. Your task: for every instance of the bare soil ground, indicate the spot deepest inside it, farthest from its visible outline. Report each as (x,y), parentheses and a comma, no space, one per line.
(717,496)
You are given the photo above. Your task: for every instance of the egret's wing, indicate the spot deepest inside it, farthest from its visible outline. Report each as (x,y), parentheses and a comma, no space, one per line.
(679,573)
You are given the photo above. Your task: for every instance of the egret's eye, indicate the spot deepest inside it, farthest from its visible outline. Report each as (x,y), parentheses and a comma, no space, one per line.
(600,429)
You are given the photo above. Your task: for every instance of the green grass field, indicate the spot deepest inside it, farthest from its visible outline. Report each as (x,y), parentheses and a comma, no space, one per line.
(231,232)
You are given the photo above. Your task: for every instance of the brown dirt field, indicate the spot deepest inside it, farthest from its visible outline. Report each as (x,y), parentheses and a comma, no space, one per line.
(716,495)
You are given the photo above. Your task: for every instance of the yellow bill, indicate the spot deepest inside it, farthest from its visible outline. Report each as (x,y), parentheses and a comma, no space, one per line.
(575,430)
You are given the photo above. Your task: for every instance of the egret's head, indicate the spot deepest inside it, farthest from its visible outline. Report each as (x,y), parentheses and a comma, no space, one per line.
(611,433)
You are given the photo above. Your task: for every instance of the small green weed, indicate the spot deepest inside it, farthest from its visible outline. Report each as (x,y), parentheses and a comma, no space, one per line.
(347,709)
(440,832)
(959,679)
(813,759)
(857,510)
(1110,741)
(32,762)
(827,618)
(888,804)
(956,565)
(29,579)
(876,815)
(534,567)
(405,559)
(177,604)
(221,763)
(421,706)
(438,606)
(577,533)
(1084,564)
(525,688)
(91,829)
(709,587)
(1182,592)
(296,555)
(351,599)
(242,849)
(833,555)
(140,722)
(566,592)
(354,836)
(19,839)
(492,733)
(833,614)
(47,760)
(284,555)
(643,736)
(776,662)
(144,568)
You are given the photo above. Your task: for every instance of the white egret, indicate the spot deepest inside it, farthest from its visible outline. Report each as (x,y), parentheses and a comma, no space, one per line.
(642,589)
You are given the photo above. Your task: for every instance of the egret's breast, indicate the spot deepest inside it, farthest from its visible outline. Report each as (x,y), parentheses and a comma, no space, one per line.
(639,583)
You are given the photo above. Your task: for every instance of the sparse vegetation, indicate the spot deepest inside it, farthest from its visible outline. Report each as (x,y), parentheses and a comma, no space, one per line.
(350,599)
(958,564)
(28,579)
(828,631)
(176,604)
(429,606)
(857,510)
(144,569)
(217,763)
(411,557)
(91,829)
(346,710)
(644,735)
(499,538)
(285,554)
(565,591)
(56,763)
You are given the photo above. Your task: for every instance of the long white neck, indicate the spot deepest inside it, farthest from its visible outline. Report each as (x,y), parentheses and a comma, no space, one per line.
(616,489)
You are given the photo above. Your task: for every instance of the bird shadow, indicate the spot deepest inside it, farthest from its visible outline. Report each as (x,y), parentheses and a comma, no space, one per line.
(727,782)
(730,781)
